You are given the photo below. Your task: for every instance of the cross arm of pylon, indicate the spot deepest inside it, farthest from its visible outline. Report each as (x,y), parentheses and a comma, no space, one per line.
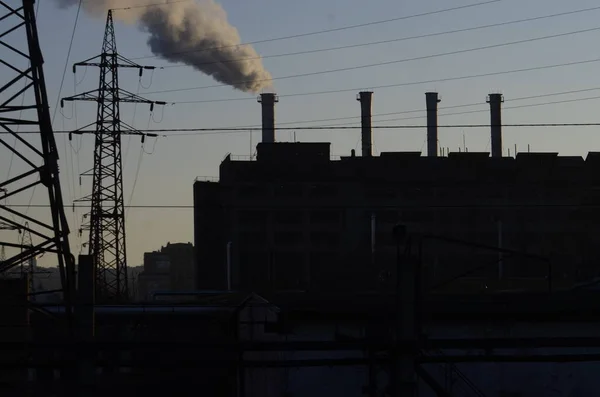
(6,226)
(84,96)
(27,254)
(126,129)
(121,95)
(126,96)
(122,62)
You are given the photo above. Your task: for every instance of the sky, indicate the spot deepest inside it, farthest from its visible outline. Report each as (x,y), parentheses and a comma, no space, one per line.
(166,167)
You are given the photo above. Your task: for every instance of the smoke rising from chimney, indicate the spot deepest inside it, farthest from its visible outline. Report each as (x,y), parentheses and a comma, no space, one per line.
(193,33)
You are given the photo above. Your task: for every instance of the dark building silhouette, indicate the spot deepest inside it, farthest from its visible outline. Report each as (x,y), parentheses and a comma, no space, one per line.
(296,220)
(170,269)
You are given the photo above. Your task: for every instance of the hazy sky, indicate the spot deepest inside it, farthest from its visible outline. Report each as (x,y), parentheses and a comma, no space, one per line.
(168,171)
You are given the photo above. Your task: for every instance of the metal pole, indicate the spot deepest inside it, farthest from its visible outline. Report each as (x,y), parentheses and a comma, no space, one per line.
(500,254)
(373,240)
(229,266)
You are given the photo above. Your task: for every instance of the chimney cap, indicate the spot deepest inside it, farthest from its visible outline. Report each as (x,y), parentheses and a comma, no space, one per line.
(268,96)
(433,95)
(362,94)
(489,97)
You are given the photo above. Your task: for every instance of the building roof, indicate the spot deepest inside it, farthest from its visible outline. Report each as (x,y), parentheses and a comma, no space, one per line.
(312,161)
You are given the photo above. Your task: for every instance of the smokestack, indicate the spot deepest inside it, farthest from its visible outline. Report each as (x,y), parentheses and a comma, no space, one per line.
(432,123)
(366,99)
(268,102)
(495,101)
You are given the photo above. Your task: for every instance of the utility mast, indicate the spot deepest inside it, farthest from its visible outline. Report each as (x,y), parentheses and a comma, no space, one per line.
(106,242)
(24,103)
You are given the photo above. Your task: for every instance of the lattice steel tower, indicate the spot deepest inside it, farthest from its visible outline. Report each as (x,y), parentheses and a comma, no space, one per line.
(107,215)
(33,154)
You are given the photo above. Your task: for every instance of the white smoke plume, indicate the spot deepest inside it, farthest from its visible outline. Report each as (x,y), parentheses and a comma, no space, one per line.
(193,33)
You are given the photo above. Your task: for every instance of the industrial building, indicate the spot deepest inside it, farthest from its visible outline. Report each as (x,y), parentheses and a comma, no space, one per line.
(169,269)
(294,219)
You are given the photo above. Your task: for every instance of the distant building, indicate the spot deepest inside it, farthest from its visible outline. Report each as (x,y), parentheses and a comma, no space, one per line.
(170,269)
(181,272)
(294,219)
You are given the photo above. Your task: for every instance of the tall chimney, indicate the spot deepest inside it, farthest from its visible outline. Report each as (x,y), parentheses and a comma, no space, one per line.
(268,102)
(366,99)
(495,101)
(432,123)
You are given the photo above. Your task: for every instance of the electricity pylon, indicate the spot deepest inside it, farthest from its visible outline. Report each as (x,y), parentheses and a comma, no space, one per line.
(106,242)
(24,102)
(28,269)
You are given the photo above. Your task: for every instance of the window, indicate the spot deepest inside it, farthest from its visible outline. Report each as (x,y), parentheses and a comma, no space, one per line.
(252,191)
(253,217)
(288,217)
(323,191)
(383,216)
(321,217)
(252,239)
(289,270)
(384,239)
(324,239)
(416,216)
(380,193)
(288,190)
(288,238)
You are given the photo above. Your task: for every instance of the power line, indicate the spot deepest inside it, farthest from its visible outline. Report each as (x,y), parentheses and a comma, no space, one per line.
(479,110)
(62,81)
(450,107)
(248,128)
(406,84)
(318,32)
(198,131)
(166,3)
(201,131)
(480,27)
(154,132)
(505,108)
(338,70)
(344,206)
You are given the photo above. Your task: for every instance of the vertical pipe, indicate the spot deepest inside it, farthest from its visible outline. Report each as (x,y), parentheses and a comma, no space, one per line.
(495,101)
(268,102)
(366,98)
(373,240)
(500,256)
(432,100)
(229,266)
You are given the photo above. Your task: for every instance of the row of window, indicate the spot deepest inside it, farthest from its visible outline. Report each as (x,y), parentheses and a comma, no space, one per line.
(289,238)
(289,217)
(288,190)
(416,193)
(464,216)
